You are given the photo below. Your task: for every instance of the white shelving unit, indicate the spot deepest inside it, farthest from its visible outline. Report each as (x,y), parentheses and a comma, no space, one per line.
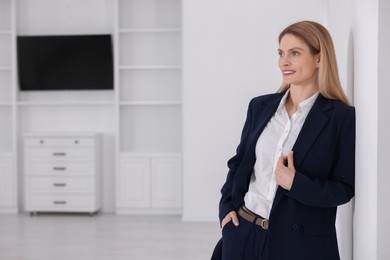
(149,106)
(8,197)
(67,112)
(139,120)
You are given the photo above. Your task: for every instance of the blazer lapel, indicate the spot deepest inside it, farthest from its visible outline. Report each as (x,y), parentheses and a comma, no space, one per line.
(266,112)
(316,120)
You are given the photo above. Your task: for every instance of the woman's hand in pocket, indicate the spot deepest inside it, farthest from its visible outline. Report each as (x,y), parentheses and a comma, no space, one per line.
(231,216)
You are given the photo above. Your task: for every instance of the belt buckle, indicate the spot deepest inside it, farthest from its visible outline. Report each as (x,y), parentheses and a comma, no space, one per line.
(264,224)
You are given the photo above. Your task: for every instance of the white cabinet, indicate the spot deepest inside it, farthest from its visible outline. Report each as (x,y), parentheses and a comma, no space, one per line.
(134,182)
(62,172)
(166,183)
(149,184)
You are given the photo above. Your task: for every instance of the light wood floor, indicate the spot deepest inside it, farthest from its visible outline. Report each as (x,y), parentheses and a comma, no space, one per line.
(104,236)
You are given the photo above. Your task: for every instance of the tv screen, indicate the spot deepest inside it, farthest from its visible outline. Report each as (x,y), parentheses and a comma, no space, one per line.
(65,62)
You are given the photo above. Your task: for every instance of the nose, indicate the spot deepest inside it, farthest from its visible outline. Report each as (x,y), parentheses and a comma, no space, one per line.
(284,61)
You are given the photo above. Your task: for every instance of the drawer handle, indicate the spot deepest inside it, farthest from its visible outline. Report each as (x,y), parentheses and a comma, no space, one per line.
(59,202)
(59,154)
(59,184)
(59,168)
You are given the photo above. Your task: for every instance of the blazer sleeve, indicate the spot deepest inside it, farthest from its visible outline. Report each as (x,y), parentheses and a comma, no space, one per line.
(339,188)
(225,205)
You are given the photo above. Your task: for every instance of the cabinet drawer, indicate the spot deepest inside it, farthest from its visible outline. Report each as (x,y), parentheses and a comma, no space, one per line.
(59,168)
(80,203)
(48,184)
(46,142)
(60,153)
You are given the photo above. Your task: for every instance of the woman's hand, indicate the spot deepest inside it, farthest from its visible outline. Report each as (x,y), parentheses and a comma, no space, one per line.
(284,175)
(231,216)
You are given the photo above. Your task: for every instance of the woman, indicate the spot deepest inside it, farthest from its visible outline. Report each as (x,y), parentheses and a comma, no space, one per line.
(295,162)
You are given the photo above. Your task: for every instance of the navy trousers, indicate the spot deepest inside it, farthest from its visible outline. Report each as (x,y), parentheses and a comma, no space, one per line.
(247,241)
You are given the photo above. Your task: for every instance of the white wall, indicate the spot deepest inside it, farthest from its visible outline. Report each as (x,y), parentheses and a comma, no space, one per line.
(229,56)
(383,131)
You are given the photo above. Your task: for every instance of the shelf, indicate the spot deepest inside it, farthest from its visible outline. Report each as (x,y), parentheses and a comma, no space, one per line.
(146,50)
(6,50)
(147,129)
(150,67)
(149,103)
(153,30)
(6,85)
(5,16)
(65,103)
(59,134)
(149,82)
(149,13)
(6,130)
(124,154)
(150,85)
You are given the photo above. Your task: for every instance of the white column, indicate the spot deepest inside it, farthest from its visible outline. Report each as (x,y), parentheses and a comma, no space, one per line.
(366,102)
(383,194)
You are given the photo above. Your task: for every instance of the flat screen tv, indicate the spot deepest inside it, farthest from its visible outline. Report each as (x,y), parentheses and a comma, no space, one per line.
(65,62)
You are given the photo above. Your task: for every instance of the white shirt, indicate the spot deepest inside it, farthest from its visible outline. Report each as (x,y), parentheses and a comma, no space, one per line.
(277,139)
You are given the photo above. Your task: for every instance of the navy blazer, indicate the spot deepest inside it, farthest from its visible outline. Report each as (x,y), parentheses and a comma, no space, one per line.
(302,220)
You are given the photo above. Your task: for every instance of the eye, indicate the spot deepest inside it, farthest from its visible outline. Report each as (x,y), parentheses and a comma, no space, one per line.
(295,53)
(280,53)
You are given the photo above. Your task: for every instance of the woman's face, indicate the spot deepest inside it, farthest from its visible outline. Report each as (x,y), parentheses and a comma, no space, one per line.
(298,65)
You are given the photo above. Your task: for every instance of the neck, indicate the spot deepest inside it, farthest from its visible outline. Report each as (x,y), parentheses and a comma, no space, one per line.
(296,96)
(299,94)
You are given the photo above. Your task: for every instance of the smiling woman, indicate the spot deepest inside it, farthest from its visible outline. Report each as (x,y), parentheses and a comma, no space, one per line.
(298,64)
(318,41)
(295,163)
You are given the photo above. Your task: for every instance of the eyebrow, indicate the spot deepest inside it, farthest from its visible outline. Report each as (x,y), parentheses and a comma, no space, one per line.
(292,49)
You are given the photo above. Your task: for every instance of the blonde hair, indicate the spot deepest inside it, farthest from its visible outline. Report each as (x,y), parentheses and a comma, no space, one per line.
(320,42)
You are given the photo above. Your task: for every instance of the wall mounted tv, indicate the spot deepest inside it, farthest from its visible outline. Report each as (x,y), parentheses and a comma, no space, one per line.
(65,62)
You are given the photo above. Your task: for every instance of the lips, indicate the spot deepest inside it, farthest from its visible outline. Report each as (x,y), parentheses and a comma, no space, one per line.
(288,72)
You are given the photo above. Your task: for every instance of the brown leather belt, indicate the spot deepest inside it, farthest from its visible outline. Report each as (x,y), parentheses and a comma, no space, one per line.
(246,214)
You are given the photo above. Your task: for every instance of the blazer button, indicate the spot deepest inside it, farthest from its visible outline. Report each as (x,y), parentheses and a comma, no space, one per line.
(295,226)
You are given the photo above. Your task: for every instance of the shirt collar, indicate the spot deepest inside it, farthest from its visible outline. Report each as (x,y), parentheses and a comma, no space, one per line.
(307,104)
(304,106)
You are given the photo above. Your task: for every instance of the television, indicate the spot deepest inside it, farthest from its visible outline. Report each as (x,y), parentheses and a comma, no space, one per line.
(65,62)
